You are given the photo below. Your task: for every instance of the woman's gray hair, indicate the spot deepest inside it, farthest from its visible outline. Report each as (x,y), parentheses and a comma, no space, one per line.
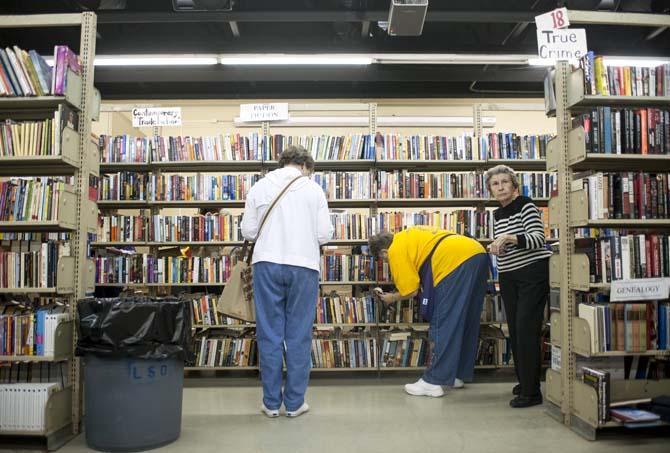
(501,170)
(380,241)
(297,155)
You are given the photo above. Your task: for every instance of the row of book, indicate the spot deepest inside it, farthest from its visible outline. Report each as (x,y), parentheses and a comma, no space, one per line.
(168,269)
(506,145)
(344,353)
(37,138)
(346,310)
(203,187)
(426,147)
(398,350)
(226,352)
(23,406)
(354,268)
(28,74)
(627,195)
(382,147)
(30,199)
(204,313)
(176,228)
(31,333)
(625,327)
(347,225)
(401,184)
(609,130)
(493,352)
(626,256)
(30,264)
(609,80)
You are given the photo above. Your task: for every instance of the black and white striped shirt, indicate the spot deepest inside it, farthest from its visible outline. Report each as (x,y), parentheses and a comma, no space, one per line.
(522,219)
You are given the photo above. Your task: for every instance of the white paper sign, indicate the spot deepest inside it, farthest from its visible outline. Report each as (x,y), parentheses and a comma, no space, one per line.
(552,20)
(264,112)
(568,44)
(156,116)
(640,289)
(555,358)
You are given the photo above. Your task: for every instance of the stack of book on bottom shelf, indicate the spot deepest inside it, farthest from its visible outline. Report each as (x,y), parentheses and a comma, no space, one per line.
(27,332)
(405,350)
(22,406)
(226,352)
(631,417)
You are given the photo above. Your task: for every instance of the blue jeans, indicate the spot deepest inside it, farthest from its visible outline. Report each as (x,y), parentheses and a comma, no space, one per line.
(454,327)
(285,298)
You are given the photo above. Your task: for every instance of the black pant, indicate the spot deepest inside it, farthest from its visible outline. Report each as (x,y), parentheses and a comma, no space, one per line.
(524,292)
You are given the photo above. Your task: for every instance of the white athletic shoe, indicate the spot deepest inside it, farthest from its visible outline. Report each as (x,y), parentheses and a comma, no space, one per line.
(423,388)
(301,410)
(458,384)
(272,413)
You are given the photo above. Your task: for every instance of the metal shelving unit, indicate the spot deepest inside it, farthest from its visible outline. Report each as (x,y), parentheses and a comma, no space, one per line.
(77,216)
(569,400)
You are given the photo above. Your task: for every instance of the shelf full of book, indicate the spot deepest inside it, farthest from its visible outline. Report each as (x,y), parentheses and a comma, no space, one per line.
(613,216)
(46,218)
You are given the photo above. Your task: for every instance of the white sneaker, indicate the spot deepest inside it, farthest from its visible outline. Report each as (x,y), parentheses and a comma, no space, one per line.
(458,384)
(301,410)
(423,388)
(272,413)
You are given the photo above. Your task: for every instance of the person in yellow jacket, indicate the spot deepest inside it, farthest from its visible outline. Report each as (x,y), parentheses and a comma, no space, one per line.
(449,273)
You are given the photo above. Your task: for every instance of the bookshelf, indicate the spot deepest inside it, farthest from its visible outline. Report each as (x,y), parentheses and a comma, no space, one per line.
(78,159)
(371,205)
(571,401)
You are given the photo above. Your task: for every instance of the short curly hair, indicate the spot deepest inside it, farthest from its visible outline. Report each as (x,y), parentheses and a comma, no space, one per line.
(380,241)
(501,170)
(297,155)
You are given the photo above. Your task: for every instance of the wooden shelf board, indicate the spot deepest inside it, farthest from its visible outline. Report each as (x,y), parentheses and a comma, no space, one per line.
(221,368)
(588,101)
(28,290)
(33,102)
(35,226)
(624,162)
(37,166)
(660,353)
(317,370)
(626,223)
(32,358)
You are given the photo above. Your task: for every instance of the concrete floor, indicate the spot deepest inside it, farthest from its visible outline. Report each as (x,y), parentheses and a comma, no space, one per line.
(377,416)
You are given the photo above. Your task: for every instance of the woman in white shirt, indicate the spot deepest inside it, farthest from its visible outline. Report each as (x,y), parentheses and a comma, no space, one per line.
(286,275)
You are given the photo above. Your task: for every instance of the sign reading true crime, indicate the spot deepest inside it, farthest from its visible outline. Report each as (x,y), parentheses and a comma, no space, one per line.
(640,289)
(264,112)
(156,116)
(563,44)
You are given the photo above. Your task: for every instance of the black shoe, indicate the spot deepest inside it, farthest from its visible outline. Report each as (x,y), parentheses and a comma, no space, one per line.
(516,390)
(526,401)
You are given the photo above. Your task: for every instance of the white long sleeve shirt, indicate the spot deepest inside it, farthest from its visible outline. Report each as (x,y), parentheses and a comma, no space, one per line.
(296,226)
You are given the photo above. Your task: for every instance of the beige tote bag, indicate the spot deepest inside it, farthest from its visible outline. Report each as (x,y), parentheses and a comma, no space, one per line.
(237,299)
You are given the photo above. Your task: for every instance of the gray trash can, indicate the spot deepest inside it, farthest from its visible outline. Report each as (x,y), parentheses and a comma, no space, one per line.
(132,404)
(133,351)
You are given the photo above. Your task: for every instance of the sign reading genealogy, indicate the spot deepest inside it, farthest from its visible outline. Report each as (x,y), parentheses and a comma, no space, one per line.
(640,289)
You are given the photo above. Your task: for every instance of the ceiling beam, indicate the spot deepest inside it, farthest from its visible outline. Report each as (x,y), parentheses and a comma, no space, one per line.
(124,17)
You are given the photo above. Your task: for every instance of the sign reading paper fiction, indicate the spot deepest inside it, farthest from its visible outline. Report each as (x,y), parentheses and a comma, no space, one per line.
(156,116)
(264,112)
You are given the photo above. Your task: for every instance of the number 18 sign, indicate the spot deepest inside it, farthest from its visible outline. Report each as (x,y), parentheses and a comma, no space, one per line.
(552,20)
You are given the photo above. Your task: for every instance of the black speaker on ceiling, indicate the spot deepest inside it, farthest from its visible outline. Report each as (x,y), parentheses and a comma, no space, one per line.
(202,5)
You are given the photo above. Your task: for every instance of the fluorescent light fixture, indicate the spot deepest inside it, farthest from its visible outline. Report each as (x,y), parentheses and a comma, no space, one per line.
(156,60)
(635,61)
(296,59)
(547,62)
(452,59)
(363,121)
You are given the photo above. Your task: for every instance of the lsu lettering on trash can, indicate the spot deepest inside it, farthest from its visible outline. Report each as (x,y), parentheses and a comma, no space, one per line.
(133,355)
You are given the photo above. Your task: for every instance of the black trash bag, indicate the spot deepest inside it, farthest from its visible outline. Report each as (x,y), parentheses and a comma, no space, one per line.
(136,326)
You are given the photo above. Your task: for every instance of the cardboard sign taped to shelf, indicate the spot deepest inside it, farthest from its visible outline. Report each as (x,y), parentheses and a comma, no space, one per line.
(555,19)
(277,111)
(156,116)
(561,44)
(640,289)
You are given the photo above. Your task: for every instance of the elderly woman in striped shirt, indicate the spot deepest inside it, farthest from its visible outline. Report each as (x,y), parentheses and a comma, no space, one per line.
(523,269)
